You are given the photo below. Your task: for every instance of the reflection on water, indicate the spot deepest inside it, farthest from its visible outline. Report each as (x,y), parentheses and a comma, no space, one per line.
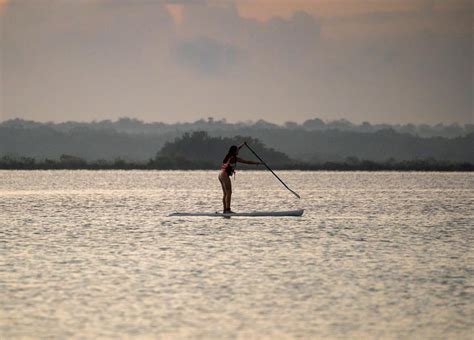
(93,254)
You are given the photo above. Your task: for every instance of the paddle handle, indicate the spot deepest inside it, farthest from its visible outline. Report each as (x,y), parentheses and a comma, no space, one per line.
(274,174)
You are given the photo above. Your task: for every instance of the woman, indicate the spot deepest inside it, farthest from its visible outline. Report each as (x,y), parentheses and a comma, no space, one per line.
(227,169)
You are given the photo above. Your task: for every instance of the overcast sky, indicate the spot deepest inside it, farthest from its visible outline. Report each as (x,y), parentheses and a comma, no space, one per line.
(394,61)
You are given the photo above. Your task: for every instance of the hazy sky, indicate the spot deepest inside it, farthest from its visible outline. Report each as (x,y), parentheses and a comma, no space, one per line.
(394,61)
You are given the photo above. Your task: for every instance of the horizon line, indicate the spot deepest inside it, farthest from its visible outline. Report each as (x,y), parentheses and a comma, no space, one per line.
(211,120)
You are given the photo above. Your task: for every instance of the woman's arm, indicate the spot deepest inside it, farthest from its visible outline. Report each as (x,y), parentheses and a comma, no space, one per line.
(240,160)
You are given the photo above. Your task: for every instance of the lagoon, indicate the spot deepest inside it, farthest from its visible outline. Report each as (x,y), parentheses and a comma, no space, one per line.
(88,254)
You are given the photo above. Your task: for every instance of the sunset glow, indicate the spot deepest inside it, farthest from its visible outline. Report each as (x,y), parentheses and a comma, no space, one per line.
(384,60)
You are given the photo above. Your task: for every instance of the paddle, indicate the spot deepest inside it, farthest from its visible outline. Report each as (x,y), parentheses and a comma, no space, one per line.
(274,174)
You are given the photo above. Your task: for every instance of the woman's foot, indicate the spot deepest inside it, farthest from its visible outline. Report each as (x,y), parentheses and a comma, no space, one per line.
(228,211)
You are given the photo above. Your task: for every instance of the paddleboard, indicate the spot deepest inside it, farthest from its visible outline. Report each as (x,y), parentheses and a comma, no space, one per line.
(298,212)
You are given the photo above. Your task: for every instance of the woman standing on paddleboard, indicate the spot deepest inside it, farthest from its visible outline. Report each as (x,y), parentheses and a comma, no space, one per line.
(227,169)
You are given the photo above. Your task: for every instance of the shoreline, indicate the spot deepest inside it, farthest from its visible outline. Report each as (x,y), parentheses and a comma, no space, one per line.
(338,167)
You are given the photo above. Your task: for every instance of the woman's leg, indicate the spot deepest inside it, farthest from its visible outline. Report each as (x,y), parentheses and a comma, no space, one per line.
(227,190)
(223,192)
(228,187)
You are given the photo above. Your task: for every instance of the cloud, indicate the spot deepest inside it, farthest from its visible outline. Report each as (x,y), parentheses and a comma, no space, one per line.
(291,40)
(2,5)
(207,56)
(176,11)
(277,41)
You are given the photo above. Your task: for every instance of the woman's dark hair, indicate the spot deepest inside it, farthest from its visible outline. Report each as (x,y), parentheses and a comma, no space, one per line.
(232,152)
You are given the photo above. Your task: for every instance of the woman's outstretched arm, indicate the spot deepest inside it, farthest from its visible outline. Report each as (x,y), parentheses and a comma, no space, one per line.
(240,160)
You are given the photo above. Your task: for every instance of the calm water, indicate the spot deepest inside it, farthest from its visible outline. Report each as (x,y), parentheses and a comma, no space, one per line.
(93,254)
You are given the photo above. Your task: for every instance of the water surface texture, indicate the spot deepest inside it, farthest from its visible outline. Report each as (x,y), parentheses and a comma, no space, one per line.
(88,254)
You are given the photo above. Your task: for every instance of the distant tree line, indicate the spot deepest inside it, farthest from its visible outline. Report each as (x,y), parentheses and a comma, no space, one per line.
(88,141)
(43,141)
(164,163)
(198,150)
(135,126)
(336,146)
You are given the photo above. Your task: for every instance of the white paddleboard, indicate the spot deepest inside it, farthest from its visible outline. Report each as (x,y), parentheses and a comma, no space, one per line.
(298,212)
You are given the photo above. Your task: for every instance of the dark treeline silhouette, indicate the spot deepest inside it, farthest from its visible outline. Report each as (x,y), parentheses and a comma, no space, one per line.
(335,145)
(165,163)
(200,147)
(198,150)
(135,141)
(43,141)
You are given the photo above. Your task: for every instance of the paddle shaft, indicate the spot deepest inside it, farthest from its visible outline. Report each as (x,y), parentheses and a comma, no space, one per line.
(274,174)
